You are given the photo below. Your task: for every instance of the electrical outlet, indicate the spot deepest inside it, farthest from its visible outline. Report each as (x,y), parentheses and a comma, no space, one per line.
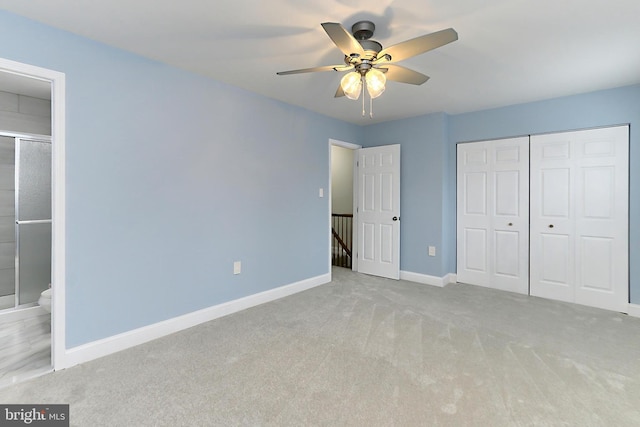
(237,267)
(432,251)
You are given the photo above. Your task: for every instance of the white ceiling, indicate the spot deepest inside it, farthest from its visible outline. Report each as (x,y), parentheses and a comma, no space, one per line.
(508,52)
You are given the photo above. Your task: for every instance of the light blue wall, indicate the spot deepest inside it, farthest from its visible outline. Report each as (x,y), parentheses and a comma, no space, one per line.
(170,178)
(423,155)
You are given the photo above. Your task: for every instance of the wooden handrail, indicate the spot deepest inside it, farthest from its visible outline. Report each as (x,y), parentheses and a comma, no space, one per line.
(342,243)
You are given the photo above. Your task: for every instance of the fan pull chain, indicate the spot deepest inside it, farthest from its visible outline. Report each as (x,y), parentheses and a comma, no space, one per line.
(370,107)
(363,84)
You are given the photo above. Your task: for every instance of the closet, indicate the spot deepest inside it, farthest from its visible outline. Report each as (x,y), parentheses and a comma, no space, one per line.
(547,215)
(493,214)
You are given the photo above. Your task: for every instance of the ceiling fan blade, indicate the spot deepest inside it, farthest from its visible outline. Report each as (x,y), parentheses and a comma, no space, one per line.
(314,69)
(339,92)
(413,47)
(400,74)
(343,39)
(344,67)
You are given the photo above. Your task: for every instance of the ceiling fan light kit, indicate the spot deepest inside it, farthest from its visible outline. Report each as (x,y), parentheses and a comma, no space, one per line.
(351,84)
(369,64)
(376,82)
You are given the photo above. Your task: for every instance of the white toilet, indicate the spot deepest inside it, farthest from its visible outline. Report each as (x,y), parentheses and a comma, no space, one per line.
(45,300)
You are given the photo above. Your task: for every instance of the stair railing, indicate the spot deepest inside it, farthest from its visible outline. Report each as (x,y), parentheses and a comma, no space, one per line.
(342,240)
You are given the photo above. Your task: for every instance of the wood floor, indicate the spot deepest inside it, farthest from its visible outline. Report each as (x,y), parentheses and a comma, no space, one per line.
(25,348)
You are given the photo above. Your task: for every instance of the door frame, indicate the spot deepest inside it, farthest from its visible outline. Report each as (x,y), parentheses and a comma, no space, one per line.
(355,148)
(58,202)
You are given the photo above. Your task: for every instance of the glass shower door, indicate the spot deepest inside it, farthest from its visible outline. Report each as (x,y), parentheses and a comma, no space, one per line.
(33,219)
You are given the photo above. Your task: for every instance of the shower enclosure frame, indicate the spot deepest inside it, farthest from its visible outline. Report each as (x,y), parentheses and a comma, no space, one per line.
(18,142)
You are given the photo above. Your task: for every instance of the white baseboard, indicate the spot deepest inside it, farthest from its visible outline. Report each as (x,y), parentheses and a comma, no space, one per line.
(113,344)
(451,278)
(427,279)
(634,310)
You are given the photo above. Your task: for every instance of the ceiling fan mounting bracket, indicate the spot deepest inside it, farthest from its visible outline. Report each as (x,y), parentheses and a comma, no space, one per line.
(363,30)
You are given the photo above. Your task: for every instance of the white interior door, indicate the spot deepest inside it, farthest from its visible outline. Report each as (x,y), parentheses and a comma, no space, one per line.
(379,211)
(493,214)
(579,217)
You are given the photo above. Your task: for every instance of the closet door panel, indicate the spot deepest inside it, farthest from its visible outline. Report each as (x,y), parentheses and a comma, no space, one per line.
(507,193)
(551,230)
(473,220)
(507,244)
(475,254)
(554,197)
(509,179)
(602,194)
(579,217)
(553,271)
(596,260)
(493,214)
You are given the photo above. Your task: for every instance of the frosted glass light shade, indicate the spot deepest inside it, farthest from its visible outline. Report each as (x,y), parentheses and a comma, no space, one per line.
(376,81)
(351,85)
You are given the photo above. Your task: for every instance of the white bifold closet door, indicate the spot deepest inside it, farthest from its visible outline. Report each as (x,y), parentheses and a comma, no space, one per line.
(579,217)
(493,214)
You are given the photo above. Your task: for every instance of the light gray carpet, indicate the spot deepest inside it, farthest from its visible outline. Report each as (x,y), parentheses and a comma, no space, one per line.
(369,351)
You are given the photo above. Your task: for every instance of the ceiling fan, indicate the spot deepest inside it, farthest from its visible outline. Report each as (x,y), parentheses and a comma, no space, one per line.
(369,64)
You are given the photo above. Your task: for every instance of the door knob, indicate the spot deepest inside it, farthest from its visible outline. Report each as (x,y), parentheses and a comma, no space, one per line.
(395,218)
(550,225)
(510,224)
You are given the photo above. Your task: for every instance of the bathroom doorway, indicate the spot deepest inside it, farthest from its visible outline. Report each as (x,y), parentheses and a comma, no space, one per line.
(31,219)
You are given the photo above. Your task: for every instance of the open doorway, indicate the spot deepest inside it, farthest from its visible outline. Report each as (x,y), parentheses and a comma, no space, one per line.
(25,225)
(343,209)
(32,128)
(375,222)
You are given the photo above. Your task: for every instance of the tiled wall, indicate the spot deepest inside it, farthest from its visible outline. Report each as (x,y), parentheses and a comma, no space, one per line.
(19,113)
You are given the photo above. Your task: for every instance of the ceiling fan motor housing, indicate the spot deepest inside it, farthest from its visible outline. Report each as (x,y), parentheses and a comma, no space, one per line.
(370,45)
